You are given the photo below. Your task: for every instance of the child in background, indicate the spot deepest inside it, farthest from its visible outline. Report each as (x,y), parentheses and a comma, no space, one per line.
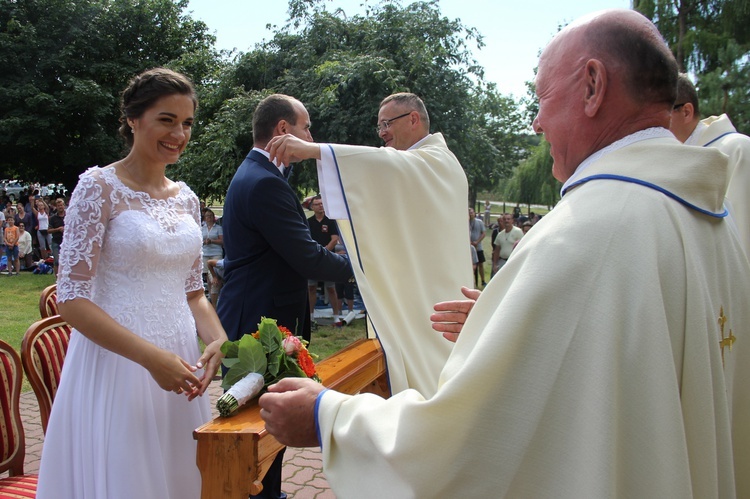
(11,245)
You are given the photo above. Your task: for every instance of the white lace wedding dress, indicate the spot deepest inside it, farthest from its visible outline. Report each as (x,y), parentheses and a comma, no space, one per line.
(113,432)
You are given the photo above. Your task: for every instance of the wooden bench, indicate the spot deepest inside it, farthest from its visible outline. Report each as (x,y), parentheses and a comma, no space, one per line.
(235,453)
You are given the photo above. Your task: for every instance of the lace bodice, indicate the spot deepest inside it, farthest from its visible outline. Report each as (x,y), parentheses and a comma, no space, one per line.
(133,255)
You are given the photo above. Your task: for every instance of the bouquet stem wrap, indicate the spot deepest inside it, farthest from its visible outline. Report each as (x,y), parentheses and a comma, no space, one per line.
(242,391)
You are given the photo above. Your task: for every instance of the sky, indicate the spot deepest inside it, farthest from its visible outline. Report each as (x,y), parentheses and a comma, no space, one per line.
(514,31)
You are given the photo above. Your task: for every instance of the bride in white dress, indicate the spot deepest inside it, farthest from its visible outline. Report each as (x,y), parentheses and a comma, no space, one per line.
(130,284)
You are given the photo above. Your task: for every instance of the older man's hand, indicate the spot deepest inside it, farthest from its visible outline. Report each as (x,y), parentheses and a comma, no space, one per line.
(288,149)
(288,408)
(449,316)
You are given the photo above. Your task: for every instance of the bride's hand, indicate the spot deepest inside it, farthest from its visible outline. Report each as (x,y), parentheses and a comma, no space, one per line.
(172,373)
(210,362)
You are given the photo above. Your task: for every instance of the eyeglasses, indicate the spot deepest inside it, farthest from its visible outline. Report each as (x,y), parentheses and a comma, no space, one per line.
(678,106)
(386,124)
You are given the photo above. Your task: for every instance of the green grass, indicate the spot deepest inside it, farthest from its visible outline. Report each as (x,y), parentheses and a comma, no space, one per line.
(19,304)
(19,307)
(327,340)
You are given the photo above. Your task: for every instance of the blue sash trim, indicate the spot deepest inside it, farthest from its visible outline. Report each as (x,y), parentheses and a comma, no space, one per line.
(317,419)
(348,212)
(717,138)
(632,180)
(359,257)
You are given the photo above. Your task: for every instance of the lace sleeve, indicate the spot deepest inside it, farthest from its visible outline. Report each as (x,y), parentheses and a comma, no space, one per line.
(85,223)
(194,280)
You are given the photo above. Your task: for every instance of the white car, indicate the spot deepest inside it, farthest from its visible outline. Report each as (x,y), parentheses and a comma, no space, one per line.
(13,190)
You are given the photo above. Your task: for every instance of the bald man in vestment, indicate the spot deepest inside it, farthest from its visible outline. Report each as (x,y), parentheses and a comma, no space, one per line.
(625,370)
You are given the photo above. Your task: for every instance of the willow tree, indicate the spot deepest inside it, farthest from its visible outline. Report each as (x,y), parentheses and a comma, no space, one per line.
(532,182)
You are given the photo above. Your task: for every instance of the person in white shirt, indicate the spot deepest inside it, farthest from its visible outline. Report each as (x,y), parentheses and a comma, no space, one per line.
(504,243)
(25,254)
(41,212)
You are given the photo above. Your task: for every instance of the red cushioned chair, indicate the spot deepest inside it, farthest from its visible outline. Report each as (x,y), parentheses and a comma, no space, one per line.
(12,441)
(48,301)
(42,352)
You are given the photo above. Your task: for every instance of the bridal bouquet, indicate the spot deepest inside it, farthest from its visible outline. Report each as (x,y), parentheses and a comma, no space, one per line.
(261,359)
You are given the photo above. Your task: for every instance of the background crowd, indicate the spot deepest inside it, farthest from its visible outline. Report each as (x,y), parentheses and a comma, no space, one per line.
(506,233)
(32,226)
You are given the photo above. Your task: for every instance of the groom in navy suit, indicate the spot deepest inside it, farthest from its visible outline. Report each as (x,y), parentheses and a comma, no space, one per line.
(270,254)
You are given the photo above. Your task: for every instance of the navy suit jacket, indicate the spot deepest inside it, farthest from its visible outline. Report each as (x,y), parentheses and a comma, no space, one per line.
(270,254)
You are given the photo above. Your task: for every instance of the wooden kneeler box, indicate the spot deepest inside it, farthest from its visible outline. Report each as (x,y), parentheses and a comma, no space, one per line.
(235,453)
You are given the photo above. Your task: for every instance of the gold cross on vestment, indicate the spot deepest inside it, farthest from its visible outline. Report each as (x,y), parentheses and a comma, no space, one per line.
(729,340)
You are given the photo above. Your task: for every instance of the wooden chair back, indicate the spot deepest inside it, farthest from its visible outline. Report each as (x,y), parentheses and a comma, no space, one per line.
(42,352)
(12,440)
(48,301)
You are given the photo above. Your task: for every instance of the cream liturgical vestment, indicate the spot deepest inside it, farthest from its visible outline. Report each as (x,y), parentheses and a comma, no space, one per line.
(719,132)
(403,218)
(625,371)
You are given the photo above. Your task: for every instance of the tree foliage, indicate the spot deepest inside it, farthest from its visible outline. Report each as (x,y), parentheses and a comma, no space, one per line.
(532,181)
(727,88)
(341,67)
(696,30)
(711,40)
(63,65)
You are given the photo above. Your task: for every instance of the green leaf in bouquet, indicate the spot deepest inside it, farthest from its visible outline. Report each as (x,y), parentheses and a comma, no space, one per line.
(271,338)
(270,335)
(233,375)
(229,362)
(285,371)
(274,361)
(250,359)
(251,356)
(268,379)
(230,349)
(290,368)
